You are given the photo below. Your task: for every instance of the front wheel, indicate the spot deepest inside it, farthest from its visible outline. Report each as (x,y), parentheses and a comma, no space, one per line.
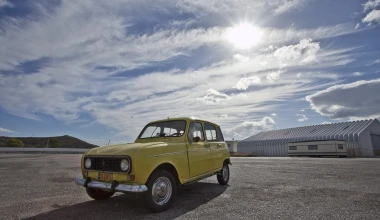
(224,176)
(161,191)
(98,194)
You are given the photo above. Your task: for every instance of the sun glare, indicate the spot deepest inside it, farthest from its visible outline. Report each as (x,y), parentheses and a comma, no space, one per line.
(244,35)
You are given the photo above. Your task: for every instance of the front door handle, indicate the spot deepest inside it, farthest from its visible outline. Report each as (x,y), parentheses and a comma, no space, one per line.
(219,145)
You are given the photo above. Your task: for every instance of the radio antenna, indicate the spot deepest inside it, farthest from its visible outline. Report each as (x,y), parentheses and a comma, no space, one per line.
(173,115)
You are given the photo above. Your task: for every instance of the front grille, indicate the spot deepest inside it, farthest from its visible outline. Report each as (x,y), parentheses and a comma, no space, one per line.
(105,164)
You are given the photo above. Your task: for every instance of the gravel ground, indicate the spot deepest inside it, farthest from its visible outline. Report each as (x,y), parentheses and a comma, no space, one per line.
(35,186)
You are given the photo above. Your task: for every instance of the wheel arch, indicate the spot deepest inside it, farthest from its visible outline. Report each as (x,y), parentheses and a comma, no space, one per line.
(168,167)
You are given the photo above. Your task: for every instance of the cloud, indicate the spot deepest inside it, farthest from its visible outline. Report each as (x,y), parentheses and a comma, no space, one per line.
(5,3)
(274,114)
(357,74)
(306,51)
(251,127)
(357,26)
(302,118)
(4,130)
(244,83)
(326,123)
(288,5)
(213,96)
(223,115)
(274,76)
(371,4)
(373,16)
(241,58)
(355,99)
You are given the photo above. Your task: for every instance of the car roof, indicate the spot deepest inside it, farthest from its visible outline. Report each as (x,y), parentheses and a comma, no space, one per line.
(184,118)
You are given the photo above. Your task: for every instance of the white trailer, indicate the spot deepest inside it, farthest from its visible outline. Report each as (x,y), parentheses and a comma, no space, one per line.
(336,148)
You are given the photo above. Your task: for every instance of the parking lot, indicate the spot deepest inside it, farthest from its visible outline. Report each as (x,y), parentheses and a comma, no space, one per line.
(42,187)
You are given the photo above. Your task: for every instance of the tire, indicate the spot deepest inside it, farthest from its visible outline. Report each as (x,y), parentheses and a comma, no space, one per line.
(98,194)
(161,192)
(224,176)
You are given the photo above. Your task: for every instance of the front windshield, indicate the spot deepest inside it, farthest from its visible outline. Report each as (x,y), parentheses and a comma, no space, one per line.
(164,129)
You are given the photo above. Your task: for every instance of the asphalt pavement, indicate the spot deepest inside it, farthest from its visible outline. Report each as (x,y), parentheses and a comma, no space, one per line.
(39,186)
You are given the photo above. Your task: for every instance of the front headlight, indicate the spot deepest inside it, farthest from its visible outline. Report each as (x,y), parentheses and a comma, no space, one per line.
(87,163)
(125,164)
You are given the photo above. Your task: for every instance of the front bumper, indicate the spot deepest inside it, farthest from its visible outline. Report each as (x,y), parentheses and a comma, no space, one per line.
(114,186)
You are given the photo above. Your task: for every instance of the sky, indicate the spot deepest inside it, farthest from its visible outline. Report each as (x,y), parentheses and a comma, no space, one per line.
(101,70)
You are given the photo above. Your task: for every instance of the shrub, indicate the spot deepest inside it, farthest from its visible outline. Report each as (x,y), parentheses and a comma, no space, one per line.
(54,143)
(12,142)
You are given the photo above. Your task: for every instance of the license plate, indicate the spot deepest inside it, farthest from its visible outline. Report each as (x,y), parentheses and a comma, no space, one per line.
(105,176)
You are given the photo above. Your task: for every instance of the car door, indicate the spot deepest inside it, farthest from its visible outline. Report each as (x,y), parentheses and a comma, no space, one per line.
(199,152)
(216,145)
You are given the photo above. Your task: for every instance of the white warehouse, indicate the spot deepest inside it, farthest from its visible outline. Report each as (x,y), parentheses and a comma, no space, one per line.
(362,138)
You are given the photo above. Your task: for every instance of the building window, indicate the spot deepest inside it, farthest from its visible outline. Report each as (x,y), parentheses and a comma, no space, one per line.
(313,147)
(292,147)
(340,146)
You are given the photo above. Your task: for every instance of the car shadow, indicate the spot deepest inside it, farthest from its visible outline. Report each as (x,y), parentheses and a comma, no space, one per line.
(122,206)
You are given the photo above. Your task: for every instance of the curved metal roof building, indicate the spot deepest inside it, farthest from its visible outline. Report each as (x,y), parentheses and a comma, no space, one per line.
(361,136)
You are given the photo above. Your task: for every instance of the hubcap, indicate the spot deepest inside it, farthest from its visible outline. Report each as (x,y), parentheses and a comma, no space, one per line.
(225,173)
(161,191)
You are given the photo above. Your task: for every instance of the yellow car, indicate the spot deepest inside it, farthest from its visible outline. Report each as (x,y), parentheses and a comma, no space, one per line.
(166,154)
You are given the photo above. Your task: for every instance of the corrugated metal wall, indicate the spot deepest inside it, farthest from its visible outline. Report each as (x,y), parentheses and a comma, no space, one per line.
(274,143)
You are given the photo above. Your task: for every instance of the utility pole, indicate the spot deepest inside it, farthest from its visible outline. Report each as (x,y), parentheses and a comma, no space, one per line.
(47,144)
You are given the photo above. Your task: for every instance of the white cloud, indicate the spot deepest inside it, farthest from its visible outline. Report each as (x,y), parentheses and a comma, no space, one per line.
(302,118)
(371,4)
(248,128)
(5,3)
(288,5)
(274,76)
(299,75)
(357,26)
(223,115)
(326,123)
(213,96)
(358,99)
(4,130)
(274,114)
(306,51)
(357,74)
(373,16)
(245,83)
(241,58)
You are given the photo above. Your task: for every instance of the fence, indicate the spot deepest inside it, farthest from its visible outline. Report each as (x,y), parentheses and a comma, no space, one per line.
(12,150)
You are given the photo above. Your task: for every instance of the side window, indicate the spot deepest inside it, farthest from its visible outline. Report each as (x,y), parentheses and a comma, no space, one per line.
(312,147)
(292,147)
(340,146)
(210,132)
(195,130)
(219,134)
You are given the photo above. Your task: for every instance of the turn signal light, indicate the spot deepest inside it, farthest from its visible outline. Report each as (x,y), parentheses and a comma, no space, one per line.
(131,177)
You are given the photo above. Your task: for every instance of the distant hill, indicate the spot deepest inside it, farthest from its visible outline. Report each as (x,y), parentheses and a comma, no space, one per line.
(40,142)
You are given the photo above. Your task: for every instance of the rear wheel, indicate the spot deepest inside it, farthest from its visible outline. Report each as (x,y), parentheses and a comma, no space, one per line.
(98,194)
(224,176)
(161,191)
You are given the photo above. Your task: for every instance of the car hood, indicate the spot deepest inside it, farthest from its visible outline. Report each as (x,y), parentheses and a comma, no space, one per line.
(120,149)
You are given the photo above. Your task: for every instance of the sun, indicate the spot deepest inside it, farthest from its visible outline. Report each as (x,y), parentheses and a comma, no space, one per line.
(244,35)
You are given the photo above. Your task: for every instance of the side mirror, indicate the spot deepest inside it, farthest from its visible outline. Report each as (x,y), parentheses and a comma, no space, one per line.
(196,139)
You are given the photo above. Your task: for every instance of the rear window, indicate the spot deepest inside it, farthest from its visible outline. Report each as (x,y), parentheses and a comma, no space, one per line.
(312,147)
(292,147)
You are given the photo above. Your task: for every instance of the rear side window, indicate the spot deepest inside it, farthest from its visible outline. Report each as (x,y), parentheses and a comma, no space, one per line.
(210,131)
(195,130)
(292,147)
(340,146)
(219,134)
(312,147)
